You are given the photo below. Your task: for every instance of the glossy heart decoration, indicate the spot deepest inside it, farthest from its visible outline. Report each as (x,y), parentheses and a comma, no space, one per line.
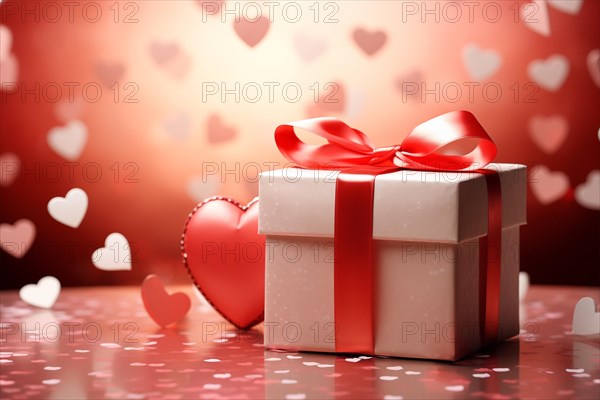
(162,307)
(224,255)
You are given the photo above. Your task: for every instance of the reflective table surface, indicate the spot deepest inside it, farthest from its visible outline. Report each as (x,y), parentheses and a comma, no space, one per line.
(100,343)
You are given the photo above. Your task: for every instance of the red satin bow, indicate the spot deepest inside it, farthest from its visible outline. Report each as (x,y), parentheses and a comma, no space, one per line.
(425,148)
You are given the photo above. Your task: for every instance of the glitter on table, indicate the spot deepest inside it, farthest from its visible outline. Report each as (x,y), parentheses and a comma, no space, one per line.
(100,343)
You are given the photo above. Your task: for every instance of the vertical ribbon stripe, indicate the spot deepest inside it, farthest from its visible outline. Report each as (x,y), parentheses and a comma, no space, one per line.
(490,262)
(353,267)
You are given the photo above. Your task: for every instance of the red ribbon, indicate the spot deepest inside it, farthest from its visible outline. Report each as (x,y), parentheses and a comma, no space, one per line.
(427,147)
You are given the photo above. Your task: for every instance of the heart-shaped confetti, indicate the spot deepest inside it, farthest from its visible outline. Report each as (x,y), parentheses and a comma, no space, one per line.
(568,6)
(586,320)
(71,209)
(587,194)
(252,31)
(115,255)
(369,42)
(17,239)
(548,132)
(43,294)
(481,64)
(224,255)
(593,64)
(162,307)
(217,131)
(548,186)
(309,48)
(10,167)
(551,73)
(535,16)
(68,141)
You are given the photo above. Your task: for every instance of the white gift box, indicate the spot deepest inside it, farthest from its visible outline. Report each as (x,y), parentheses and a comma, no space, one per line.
(426,231)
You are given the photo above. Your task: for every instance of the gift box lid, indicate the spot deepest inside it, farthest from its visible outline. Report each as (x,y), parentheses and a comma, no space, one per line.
(424,206)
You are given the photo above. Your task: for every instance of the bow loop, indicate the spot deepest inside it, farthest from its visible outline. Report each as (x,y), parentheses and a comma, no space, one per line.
(423,149)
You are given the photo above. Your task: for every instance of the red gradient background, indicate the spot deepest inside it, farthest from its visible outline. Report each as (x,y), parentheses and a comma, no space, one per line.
(560,243)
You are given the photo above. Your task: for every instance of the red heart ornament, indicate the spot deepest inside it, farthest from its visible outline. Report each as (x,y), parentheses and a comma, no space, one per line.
(224,255)
(162,307)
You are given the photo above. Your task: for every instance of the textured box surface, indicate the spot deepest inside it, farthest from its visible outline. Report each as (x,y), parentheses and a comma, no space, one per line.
(426,230)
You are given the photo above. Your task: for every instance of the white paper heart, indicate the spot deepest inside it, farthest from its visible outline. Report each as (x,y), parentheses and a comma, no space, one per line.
(69,140)
(548,186)
(71,209)
(548,133)
(551,73)
(535,16)
(593,63)
(43,294)
(569,6)
(481,64)
(10,166)
(586,320)
(587,194)
(17,239)
(523,284)
(115,255)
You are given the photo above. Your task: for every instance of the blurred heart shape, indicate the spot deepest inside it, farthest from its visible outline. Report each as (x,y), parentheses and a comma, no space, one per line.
(224,255)
(10,167)
(115,255)
(109,73)
(17,239)
(481,64)
(10,72)
(551,73)
(548,186)
(332,101)
(162,52)
(535,16)
(6,40)
(593,64)
(586,320)
(587,194)
(43,294)
(217,131)
(568,6)
(68,141)
(201,187)
(69,210)
(69,109)
(177,125)
(369,42)
(309,48)
(548,132)
(165,309)
(252,31)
